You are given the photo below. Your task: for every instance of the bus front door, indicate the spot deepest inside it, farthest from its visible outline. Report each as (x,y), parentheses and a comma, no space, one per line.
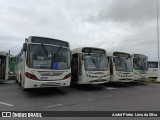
(75,68)
(2,67)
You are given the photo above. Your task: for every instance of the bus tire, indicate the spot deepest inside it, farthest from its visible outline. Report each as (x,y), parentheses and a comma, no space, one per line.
(16,81)
(24,89)
(20,79)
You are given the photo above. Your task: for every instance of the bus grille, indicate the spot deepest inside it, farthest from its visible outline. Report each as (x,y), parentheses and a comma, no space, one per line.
(51,73)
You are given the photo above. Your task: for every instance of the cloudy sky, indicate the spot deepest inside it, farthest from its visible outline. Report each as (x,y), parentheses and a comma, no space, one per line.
(121,25)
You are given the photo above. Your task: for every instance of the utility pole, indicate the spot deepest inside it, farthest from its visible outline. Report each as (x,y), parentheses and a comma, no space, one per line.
(158,79)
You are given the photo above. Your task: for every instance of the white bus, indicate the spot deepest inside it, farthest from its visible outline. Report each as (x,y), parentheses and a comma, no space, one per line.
(89,66)
(153,69)
(4,65)
(140,67)
(43,62)
(121,67)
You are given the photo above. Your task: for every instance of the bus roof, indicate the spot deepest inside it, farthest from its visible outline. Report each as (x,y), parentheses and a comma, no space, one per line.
(87,49)
(3,53)
(113,52)
(45,40)
(139,55)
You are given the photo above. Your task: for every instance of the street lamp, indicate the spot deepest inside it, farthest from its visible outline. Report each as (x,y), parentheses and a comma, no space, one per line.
(158,79)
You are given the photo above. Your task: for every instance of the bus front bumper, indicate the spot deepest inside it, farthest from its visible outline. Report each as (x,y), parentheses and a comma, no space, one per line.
(42,84)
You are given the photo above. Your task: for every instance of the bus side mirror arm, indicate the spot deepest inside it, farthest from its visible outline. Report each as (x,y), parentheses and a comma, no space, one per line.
(71,55)
(11,59)
(82,57)
(113,60)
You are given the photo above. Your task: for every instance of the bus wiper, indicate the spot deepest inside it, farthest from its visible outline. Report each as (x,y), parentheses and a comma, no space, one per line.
(95,61)
(55,54)
(126,65)
(99,60)
(44,49)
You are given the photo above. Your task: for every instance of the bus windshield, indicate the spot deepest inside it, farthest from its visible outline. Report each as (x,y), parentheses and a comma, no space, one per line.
(95,62)
(140,63)
(123,64)
(152,64)
(48,57)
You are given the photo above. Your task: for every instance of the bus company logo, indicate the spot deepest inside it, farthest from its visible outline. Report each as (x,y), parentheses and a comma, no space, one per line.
(6,114)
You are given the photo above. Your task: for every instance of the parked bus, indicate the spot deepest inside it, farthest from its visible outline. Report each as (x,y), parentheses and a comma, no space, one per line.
(11,64)
(153,69)
(89,66)
(121,68)
(140,67)
(4,68)
(43,62)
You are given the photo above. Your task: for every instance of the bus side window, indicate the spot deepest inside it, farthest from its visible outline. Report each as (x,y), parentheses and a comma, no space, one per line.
(108,60)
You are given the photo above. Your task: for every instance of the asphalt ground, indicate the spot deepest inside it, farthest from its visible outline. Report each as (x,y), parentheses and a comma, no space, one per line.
(135,96)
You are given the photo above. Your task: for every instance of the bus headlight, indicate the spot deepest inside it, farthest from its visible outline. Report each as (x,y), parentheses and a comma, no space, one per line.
(31,76)
(67,76)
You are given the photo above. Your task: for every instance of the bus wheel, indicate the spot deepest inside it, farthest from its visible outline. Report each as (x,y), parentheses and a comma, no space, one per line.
(24,89)
(20,77)
(20,80)
(17,81)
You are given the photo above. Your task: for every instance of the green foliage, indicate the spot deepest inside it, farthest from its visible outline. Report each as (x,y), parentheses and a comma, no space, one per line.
(12,63)
(153,80)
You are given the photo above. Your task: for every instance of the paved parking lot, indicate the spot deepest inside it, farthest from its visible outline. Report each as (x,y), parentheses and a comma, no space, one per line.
(108,97)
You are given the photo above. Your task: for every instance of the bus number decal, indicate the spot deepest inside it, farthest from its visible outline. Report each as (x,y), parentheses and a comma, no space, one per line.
(44,78)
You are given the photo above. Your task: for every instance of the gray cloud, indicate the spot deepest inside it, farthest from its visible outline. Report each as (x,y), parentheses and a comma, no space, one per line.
(132,11)
(124,25)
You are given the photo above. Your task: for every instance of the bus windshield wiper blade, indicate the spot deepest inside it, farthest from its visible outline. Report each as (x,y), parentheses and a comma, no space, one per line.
(95,61)
(55,53)
(54,56)
(44,49)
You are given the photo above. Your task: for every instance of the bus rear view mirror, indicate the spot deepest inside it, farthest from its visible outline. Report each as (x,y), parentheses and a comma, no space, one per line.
(24,46)
(11,59)
(113,60)
(82,57)
(71,55)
